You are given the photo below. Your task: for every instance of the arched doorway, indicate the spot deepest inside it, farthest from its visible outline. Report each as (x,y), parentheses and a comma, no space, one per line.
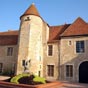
(83,72)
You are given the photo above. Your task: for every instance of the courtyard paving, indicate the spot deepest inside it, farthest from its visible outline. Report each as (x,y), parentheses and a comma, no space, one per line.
(73,85)
(4,77)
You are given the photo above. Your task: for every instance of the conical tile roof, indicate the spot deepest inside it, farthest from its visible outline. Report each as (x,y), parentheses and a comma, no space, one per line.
(32,10)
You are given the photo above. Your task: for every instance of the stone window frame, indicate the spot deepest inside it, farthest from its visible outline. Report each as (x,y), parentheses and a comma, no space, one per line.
(10,51)
(48,50)
(69,42)
(13,67)
(40,66)
(72,72)
(84,47)
(39,73)
(23,63)
(47,70)
(27,18)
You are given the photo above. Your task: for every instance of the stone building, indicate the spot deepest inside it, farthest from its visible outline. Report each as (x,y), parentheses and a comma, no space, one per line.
(54,52)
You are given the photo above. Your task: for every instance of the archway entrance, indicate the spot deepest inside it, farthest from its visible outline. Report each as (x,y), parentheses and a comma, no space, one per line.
(83,72)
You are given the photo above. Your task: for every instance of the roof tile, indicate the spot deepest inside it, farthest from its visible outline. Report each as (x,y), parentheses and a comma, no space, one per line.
(9,38)
(79,27)
(32,10)
(55,31)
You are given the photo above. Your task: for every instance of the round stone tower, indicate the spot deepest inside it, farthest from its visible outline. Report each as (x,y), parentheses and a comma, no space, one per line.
(30,42)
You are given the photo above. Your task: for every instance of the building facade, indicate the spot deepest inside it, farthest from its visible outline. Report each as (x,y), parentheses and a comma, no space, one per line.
(53,52)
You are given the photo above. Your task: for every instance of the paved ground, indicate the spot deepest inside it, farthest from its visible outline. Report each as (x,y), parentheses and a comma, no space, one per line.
(64,84)
(73,85)
(4,77)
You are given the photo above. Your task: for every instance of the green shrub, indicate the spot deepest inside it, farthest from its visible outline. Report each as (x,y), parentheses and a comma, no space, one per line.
(39,79)
(35,79)
(6,73)
(16,78)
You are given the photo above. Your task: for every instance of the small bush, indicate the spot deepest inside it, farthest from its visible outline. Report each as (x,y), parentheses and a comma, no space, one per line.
(16,78)
(6,73)
(39,79)
(28,79)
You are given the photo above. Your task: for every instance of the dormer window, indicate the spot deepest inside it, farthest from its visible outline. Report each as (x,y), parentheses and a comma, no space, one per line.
(27,19)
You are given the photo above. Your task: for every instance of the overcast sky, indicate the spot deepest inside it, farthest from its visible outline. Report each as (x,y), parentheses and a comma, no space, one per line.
(54,12)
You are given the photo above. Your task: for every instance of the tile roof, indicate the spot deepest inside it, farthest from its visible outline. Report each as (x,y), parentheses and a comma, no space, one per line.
(32,10)
(77,28)
(9,38)
(55,31)
(9,32)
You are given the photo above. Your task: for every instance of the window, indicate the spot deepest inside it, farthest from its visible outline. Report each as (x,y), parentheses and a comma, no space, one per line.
(39,73)
(13,68)
(69,70)
(39,58)
(9,51)
(50,50)
(23,62)
(70,42)
(40,66)
(27,19)
(50,70)
(80,46)
(1,67)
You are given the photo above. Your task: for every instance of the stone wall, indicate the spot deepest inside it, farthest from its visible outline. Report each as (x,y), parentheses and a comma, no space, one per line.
(51,60)
(68,56)
(8,61)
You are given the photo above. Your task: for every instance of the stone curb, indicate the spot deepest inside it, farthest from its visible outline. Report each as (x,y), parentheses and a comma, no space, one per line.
(47,85)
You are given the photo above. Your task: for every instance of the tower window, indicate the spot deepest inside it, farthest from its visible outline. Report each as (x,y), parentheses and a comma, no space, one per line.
(39,73)
(27,19)
(23,62)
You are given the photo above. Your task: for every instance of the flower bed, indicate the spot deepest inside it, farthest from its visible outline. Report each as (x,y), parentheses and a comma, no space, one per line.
(47,85)
(29,81)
